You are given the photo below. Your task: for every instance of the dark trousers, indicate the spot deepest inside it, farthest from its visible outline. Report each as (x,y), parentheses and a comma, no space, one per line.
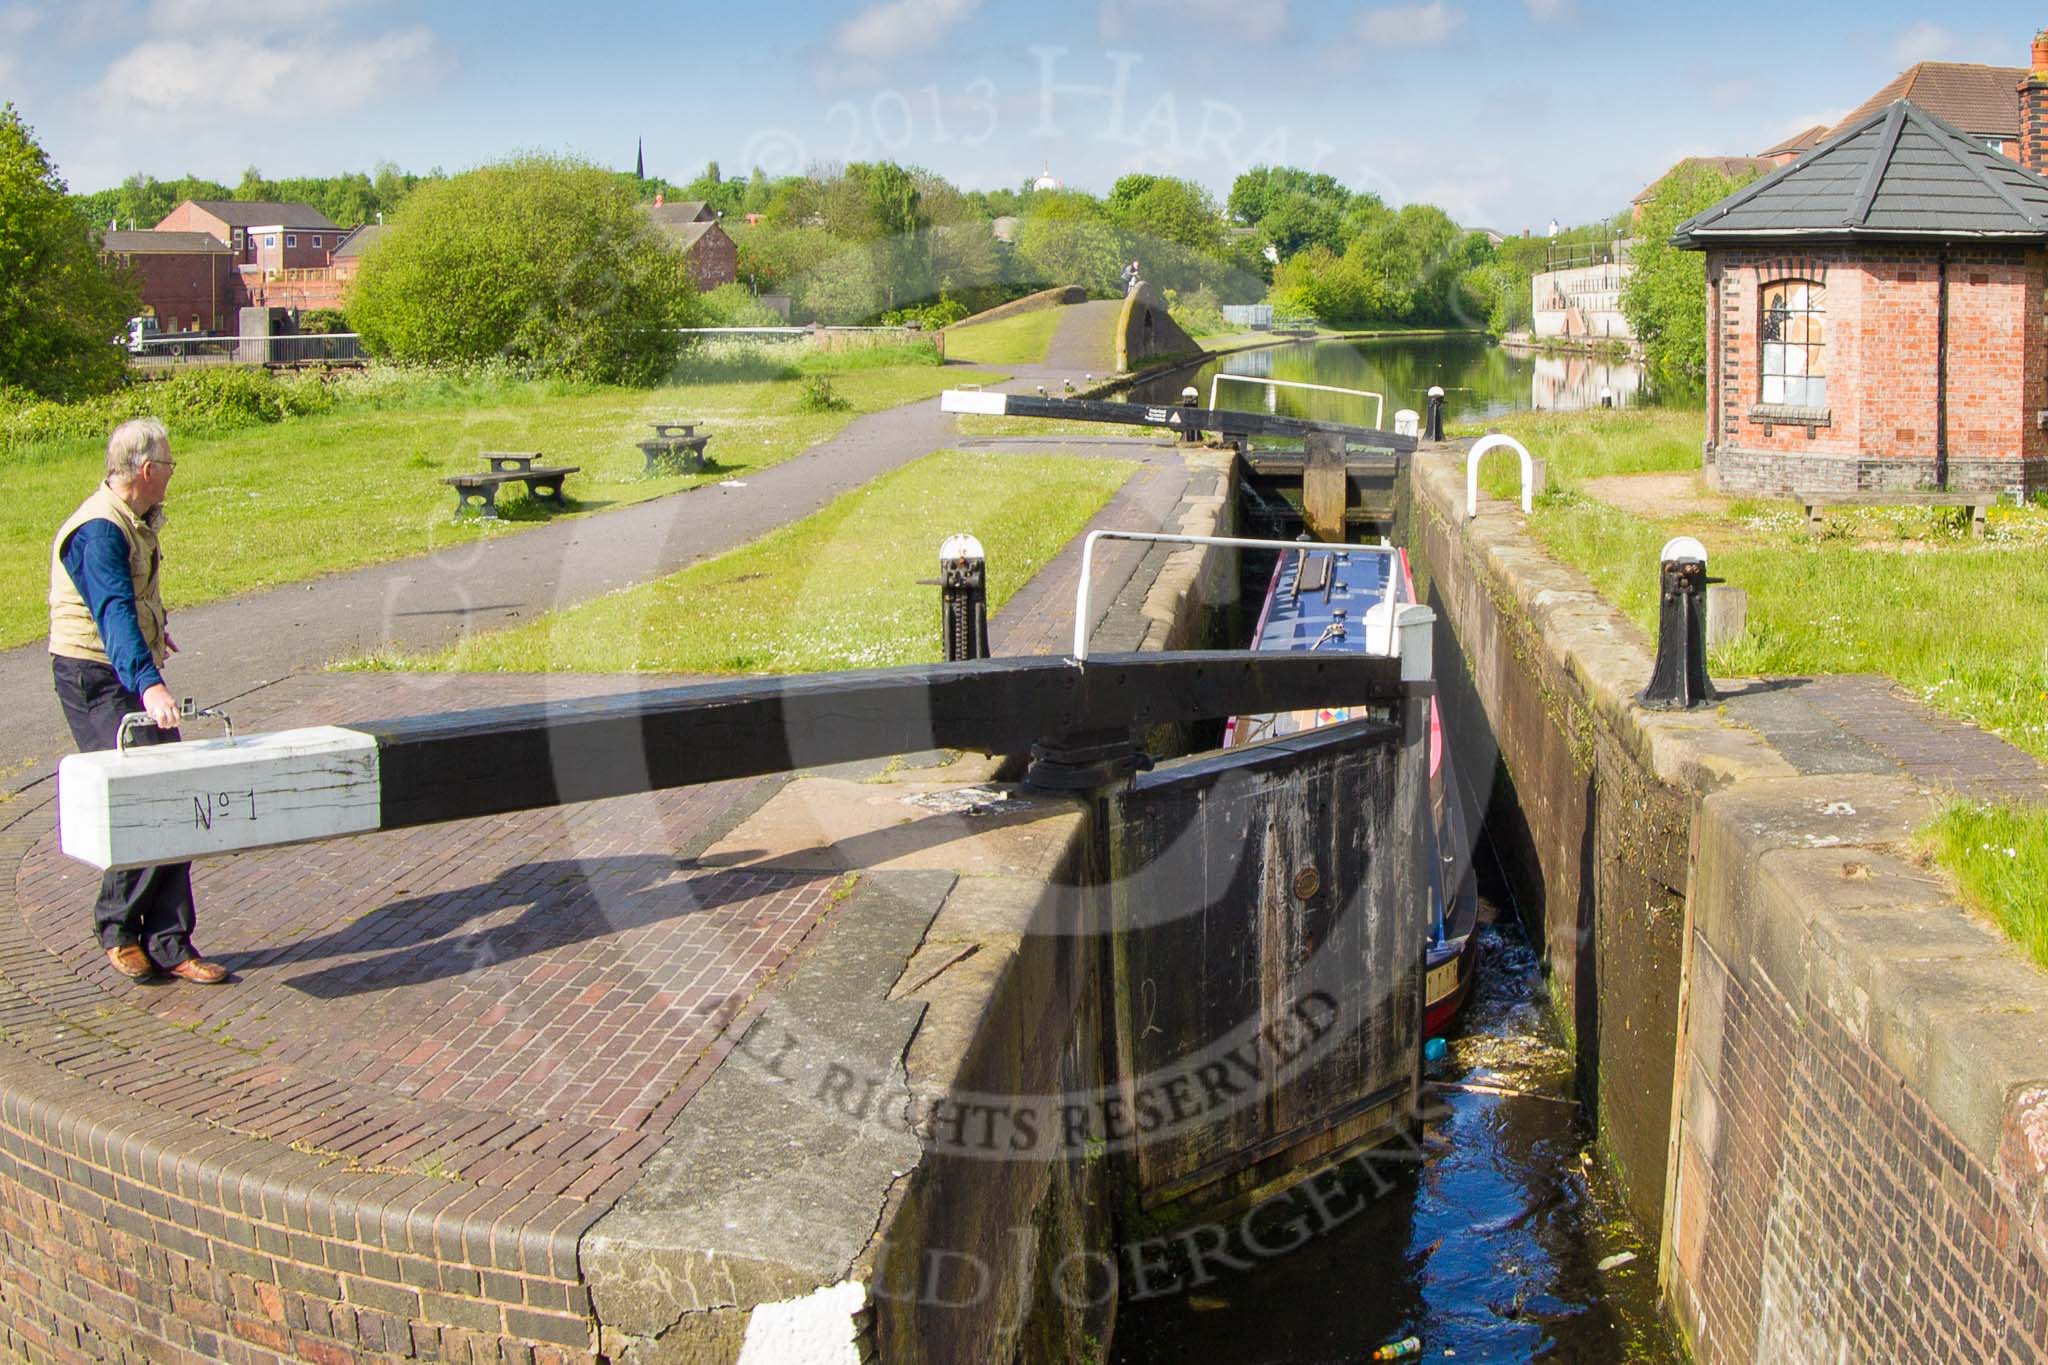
(151,906)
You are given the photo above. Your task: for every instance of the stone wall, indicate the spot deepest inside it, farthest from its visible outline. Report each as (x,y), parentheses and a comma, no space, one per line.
(1056,297)
(1145,332)
(1835,1078)
(1879,426)
(1584,302)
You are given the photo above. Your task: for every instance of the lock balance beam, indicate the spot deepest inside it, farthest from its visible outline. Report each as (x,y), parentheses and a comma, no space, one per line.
(170,802)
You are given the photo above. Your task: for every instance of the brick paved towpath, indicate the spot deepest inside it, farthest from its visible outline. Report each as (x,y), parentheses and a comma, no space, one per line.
(447,1051)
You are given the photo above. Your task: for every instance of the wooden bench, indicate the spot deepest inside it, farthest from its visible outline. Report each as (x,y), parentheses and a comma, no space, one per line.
(509,461)
(1977,502)
(668,454)
(543,484)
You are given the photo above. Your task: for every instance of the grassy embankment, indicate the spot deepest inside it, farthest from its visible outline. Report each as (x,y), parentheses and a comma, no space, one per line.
(1900,591)
(1020,339)
(838,589)
(359,483)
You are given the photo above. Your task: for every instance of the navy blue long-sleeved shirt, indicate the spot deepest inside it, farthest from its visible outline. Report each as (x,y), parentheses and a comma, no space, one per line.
(96,557)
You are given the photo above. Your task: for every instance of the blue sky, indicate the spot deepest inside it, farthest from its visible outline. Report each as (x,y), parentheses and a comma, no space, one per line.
(1505,112)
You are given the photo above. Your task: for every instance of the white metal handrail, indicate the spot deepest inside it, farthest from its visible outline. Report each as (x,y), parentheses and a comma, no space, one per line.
(1166,538)
(1379,399)
(1472,473)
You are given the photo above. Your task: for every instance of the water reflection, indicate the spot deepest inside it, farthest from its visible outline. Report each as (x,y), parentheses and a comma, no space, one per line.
(1481,380)
(1496,1239)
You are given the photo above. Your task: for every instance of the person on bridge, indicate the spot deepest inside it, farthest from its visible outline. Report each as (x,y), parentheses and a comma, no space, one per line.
(109,638)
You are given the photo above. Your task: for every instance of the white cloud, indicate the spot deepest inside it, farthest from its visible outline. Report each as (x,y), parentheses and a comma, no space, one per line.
(880,32)
(240,16)
(1262,22)
(305,78)
(1925,41)
(1546,11)
(1409,25)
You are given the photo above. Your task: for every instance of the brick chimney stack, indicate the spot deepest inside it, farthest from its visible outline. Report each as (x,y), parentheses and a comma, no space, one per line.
(2034,109)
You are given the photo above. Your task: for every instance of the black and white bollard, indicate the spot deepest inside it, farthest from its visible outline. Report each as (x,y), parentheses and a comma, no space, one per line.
(963,599)
(1679,680)
(1190,397)
(1433,427)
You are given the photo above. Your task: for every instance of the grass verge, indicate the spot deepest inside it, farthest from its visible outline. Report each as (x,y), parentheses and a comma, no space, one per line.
(1899,591)
(980,424)
(838,589)
(280,503)
(1999,858)
(1020,339)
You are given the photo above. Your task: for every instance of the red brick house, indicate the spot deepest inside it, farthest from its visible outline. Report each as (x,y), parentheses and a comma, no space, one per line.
(693,227)
(1795,146)
(348,257)
(1875,315)
(1982,101)
(259,235)
(187,279)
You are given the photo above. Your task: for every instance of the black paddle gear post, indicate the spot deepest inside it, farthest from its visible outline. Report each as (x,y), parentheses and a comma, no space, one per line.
(1433,425)
(963,599)
(1679,680)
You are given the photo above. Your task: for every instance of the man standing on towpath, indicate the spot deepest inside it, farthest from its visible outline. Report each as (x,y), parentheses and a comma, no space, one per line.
(108,644)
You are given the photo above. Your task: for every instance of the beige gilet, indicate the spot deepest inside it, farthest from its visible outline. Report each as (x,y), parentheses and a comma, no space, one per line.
(72,630)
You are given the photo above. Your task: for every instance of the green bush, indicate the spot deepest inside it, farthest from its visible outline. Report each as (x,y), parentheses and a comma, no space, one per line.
(819,396)
(323,322)
(733,305)
(214,399)
(930,316)
(546,261)
(1198,313)
(60,301)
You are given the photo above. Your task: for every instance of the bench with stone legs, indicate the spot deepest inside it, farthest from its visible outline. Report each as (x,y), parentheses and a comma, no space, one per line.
(1976,501)
(543,484)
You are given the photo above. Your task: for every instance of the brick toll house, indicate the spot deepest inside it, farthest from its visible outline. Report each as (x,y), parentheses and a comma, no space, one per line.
(1875,314)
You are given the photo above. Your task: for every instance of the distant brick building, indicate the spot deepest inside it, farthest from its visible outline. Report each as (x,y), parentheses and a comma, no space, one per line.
(1980,101)
(348,257)
(187,279)
(1875,315)
(261,236)
(693,227)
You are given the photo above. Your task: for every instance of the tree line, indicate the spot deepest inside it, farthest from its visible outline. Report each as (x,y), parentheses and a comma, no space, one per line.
(548,261)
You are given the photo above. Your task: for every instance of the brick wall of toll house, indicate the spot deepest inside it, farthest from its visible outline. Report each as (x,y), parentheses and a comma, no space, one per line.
(1882,324)
(186,290)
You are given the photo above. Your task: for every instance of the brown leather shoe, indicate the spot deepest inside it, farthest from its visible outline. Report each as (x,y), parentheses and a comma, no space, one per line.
(199,971)
(130,961)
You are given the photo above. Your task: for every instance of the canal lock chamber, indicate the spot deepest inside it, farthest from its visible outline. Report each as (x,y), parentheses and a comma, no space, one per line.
(1486,1220)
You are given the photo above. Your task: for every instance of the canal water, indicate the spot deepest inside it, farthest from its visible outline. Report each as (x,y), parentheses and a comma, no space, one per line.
(1485,1240)
(1481,380)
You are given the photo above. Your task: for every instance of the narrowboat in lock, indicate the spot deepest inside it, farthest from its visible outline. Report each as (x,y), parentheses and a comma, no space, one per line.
(1346,598)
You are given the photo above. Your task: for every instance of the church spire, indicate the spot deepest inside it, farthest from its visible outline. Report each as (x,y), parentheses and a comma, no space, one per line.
(640,158)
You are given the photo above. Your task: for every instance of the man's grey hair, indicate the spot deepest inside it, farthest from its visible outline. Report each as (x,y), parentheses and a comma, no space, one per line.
(133,442)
